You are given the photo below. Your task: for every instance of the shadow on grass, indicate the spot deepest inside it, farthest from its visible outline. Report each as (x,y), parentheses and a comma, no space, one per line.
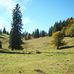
(66,47)
(13,52)
(2,37)
(51,53)
(39,71)
(6,51)
(58,53)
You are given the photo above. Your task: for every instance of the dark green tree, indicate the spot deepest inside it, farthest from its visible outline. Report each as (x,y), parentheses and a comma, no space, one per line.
(57,26)
(36,33)
(33,34)
(0,31)
(50,31)
(4,30)
(27,36)
(15,40)
(43,33)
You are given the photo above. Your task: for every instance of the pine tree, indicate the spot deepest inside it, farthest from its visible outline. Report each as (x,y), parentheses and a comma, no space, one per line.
(15,40)
(0,31)
(35,34)
(4,30)
(43,33)
(50,31)
(27,35)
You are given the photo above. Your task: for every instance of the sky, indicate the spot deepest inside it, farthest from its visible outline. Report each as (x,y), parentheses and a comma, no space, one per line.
(40,14)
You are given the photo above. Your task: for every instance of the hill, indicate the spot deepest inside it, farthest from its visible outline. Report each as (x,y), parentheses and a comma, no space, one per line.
(48,61)
(65,26)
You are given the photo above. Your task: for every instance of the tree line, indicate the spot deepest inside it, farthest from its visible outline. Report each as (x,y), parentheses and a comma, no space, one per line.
(34,34)
(66,27)
(4,31)
(60,30)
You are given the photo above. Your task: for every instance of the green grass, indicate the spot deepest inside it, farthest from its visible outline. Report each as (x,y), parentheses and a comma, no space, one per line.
(49,61)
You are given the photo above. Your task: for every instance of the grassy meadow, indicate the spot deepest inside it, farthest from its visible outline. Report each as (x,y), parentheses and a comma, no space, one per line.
(38,57)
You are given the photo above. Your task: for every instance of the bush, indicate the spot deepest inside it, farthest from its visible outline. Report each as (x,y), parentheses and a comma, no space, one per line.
(71,31)
(58,39)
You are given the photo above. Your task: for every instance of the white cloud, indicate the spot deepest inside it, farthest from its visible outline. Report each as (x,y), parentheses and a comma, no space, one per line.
(8,6)
(27,21)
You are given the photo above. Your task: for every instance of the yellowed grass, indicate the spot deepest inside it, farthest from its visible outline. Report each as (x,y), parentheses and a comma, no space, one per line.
(49,61)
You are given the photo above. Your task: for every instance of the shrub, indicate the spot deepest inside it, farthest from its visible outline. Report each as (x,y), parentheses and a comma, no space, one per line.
(71,30)
(58,39)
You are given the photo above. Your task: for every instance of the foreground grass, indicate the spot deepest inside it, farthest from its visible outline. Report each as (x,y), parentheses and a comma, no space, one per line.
(49,61)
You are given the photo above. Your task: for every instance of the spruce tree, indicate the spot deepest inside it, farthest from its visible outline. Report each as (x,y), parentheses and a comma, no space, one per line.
(43,33)
(50,31)
(35,34)
(15,40)
(27,35)
(0,31)
(4,30)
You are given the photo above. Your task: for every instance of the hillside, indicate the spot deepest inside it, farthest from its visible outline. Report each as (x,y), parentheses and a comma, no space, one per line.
(48,61)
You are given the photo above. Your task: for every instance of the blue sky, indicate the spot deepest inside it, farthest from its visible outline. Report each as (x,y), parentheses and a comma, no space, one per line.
(40,14)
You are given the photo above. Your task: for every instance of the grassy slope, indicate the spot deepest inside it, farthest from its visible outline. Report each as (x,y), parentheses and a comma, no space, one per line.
(50,61)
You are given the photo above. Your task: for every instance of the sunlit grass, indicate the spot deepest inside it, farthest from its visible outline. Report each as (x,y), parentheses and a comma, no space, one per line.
(49,61)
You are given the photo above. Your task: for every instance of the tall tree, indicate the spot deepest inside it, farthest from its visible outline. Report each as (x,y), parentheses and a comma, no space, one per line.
(15,40)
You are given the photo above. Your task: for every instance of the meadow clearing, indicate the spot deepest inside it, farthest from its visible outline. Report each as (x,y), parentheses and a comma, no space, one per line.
(38,57)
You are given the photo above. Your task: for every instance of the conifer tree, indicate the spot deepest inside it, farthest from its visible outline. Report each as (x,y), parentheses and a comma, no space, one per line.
(35,34)
(15,40)
(50,31)
(0,31)
(4,30)
(43,33)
